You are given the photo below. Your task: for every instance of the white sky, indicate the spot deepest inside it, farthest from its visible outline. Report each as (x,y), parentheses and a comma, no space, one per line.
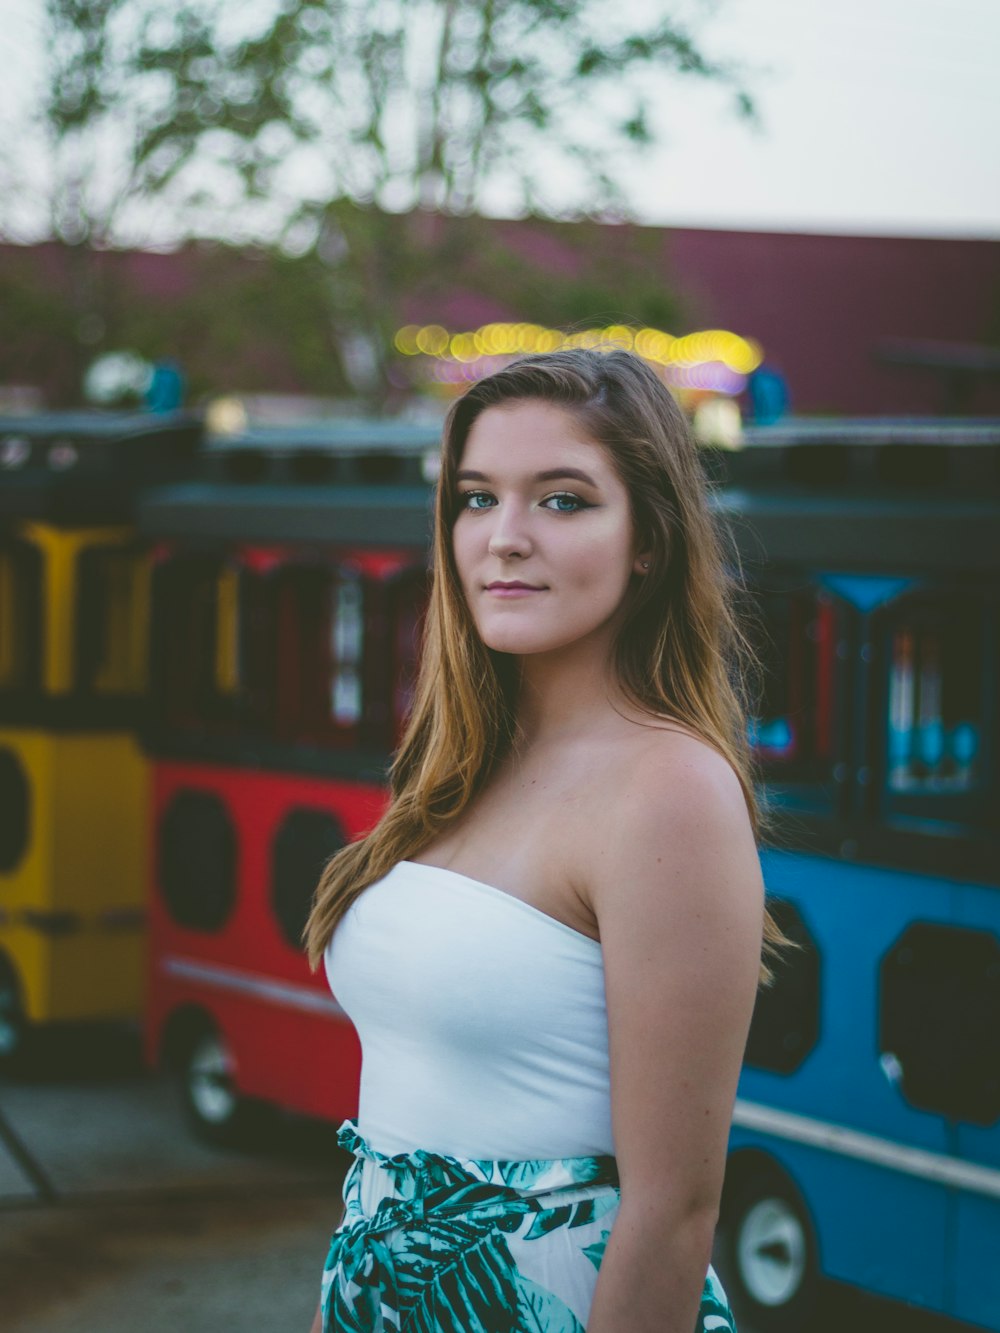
(879,116)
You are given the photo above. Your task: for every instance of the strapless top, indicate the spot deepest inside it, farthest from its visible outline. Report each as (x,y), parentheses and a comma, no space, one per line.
(482,1021)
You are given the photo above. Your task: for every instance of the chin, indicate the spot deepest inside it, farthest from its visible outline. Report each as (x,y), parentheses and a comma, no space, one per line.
(522,642)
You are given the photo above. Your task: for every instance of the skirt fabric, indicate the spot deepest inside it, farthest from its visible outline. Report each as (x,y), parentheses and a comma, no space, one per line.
(434,1244)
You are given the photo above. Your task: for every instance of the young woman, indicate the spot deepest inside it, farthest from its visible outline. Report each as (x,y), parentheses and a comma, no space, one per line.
(551,942)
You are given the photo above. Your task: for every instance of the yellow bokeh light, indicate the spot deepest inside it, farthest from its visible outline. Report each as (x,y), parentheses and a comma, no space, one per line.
(432,339)
(528,337)
(463,347)
(503,340)
(405,340)
(621,335)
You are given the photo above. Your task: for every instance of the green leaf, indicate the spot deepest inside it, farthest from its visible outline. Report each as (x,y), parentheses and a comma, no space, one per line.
(595,1252)
(571,1215)
(522,1175)
(454,1276)
(539,1311)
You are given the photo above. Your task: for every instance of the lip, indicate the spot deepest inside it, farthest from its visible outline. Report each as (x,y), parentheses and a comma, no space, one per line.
(512,589)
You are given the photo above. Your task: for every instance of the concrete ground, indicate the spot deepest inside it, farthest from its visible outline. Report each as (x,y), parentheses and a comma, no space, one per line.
(113,1219)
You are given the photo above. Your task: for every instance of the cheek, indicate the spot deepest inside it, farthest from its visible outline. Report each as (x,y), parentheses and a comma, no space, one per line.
(603,561)
(463,552)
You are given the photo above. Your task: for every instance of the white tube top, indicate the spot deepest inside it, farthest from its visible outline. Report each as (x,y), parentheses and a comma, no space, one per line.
(482,1021)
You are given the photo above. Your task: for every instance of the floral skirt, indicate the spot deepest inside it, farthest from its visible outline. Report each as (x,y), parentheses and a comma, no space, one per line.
(433,1244)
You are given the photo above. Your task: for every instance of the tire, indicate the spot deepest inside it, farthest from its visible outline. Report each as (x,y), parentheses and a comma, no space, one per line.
(215,1109)
(771,1257)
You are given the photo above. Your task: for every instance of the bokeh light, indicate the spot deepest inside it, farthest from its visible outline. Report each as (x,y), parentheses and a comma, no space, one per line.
(708,360)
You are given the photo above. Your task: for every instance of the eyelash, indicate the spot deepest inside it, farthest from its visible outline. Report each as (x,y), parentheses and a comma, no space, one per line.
(466,496)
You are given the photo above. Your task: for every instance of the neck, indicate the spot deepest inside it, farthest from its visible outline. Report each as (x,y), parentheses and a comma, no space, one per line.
(564,692)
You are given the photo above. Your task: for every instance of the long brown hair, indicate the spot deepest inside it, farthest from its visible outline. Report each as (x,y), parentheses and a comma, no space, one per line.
(680,653)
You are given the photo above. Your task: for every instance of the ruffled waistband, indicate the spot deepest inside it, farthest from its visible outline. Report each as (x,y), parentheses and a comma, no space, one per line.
(438,1169)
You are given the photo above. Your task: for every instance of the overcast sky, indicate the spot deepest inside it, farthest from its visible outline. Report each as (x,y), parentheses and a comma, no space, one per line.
(878,116)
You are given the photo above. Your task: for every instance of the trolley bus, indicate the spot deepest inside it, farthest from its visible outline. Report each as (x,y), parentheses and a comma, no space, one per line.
(866,1137)
(287,588)
(73,637)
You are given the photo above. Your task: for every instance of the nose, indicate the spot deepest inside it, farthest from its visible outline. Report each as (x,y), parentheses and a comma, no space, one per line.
(509,538)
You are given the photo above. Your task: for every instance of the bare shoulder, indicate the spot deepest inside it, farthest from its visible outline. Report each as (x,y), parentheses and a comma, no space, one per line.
(675,828)
(669,773)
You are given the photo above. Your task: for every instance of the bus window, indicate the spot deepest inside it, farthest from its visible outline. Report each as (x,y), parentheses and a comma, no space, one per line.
(346,642)
(113,611)
(321,696)
(799,639)
(347,653)
(215,653)
(931,663)
(408,605)
(20,618)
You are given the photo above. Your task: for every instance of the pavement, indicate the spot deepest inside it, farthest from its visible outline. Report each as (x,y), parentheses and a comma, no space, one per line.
(114,1219)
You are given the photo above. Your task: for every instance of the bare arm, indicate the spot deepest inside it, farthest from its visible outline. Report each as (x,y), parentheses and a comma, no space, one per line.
(317,1323)
(678,895)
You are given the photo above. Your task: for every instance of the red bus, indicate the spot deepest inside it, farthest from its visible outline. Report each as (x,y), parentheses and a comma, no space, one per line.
(287,590)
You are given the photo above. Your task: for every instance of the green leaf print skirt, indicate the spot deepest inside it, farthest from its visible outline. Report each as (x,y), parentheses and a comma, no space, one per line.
(433,1244)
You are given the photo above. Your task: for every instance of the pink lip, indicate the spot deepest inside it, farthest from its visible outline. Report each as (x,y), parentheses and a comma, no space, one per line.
(512,589)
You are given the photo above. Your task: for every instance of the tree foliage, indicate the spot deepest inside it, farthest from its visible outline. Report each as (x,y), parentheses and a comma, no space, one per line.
(417,103)
(310,124)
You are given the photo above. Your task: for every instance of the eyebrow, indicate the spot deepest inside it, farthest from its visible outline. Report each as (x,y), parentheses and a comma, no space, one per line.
(553,474)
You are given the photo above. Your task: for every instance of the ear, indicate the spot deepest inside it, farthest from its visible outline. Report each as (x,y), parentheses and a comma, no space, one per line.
(642,562)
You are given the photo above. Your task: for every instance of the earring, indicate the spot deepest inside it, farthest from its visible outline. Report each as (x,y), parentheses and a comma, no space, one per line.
(644,563)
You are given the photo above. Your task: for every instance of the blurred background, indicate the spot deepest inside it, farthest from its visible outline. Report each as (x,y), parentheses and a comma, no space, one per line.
(249,253)
(264,195)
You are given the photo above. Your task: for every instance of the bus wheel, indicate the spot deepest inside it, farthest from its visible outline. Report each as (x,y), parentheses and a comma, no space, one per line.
(771,1254)
(13,1025)
(213,1106)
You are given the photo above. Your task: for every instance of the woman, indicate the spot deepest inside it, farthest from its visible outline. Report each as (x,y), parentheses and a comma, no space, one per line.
(551,942)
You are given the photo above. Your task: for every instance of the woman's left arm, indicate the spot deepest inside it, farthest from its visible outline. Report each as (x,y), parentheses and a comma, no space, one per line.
(678,895)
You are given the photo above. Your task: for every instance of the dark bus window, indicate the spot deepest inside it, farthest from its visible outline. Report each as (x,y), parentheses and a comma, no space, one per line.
(799,634)
(214,636)
(20,618)
(321,696)
(408,605)
(112,621)
(347,655)
(345,635)
(937,715)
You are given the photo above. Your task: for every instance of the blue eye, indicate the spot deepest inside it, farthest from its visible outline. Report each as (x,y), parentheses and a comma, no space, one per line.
(565,503)
(470,499)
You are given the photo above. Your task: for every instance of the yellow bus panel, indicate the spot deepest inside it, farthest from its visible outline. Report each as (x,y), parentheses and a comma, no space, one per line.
(72,907)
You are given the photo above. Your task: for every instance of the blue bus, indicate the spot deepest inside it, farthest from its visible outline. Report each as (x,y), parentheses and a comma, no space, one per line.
(865,1145)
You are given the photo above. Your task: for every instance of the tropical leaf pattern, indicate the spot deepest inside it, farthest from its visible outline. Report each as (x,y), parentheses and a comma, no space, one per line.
(435,1244)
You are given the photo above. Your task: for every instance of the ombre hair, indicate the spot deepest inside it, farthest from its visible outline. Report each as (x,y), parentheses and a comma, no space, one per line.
(680,653)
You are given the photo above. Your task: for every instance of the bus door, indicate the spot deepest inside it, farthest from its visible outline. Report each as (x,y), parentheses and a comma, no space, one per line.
(814,1044)
(939,1016)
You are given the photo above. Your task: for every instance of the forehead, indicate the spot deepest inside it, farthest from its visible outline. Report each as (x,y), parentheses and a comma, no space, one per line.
(531,437)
